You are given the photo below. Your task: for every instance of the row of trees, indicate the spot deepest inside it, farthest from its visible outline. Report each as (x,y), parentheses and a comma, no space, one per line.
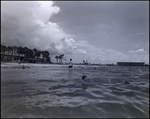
(85,61)
(59,58)
(28,53)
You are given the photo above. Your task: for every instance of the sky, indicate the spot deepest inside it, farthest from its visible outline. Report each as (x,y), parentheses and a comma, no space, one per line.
(96,31)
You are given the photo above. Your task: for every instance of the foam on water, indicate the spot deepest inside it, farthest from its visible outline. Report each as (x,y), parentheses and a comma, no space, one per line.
(56,91)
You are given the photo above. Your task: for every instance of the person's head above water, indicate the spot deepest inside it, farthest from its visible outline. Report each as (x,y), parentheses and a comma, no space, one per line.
(83,77)
(70,59)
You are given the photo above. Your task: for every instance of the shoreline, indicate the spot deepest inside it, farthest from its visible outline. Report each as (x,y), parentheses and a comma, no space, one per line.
(16,64)
(27,65)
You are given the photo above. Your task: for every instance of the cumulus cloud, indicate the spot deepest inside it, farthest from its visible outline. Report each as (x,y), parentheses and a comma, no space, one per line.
(138,55)
(138,51)
(28,24)
(102,55)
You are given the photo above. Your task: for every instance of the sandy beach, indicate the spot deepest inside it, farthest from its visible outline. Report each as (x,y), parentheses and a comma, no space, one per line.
(14,64)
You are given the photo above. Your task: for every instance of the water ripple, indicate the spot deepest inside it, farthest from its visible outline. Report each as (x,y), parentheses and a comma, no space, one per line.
(56,91)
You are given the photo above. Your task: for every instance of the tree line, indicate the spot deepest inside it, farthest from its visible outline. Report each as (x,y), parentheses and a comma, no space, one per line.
(27,52)
(59,58)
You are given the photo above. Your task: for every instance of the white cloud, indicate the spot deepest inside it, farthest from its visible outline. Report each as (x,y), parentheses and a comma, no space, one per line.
(140,51)
(137,51)
(138,55)
(27,24)
(101,55)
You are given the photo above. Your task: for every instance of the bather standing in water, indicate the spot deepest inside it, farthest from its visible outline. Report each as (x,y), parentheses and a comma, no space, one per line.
(19,62)
(70,64)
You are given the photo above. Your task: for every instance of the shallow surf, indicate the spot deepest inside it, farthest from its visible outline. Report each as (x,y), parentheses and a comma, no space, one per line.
(56,91)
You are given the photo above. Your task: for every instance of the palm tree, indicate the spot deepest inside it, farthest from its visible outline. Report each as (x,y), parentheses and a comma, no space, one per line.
(59,60)
(57,57)
(83,61)
(60,57)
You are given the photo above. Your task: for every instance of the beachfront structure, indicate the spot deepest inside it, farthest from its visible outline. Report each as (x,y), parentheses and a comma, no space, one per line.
(11,56)
(14,57)
(130,64)
(110,65)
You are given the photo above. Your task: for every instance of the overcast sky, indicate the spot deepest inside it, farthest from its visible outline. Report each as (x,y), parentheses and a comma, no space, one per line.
(97,31)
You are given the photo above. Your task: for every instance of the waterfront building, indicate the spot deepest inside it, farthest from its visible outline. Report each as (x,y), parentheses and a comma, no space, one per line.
(130,64)
(14,57)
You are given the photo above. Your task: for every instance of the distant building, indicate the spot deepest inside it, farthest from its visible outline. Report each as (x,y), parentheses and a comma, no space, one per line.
(14,57)
(130,64)
(11,56)
(110,65)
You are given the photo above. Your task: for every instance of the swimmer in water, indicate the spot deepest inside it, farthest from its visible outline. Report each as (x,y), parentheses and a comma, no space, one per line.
(84,78)
(23,67)
(85,82)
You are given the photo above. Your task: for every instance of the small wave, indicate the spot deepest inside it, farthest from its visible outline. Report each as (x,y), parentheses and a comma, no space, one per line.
(41,93)
(57,92)
(39,81)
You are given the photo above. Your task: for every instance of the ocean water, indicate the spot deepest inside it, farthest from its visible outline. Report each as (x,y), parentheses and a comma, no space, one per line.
(56,91)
